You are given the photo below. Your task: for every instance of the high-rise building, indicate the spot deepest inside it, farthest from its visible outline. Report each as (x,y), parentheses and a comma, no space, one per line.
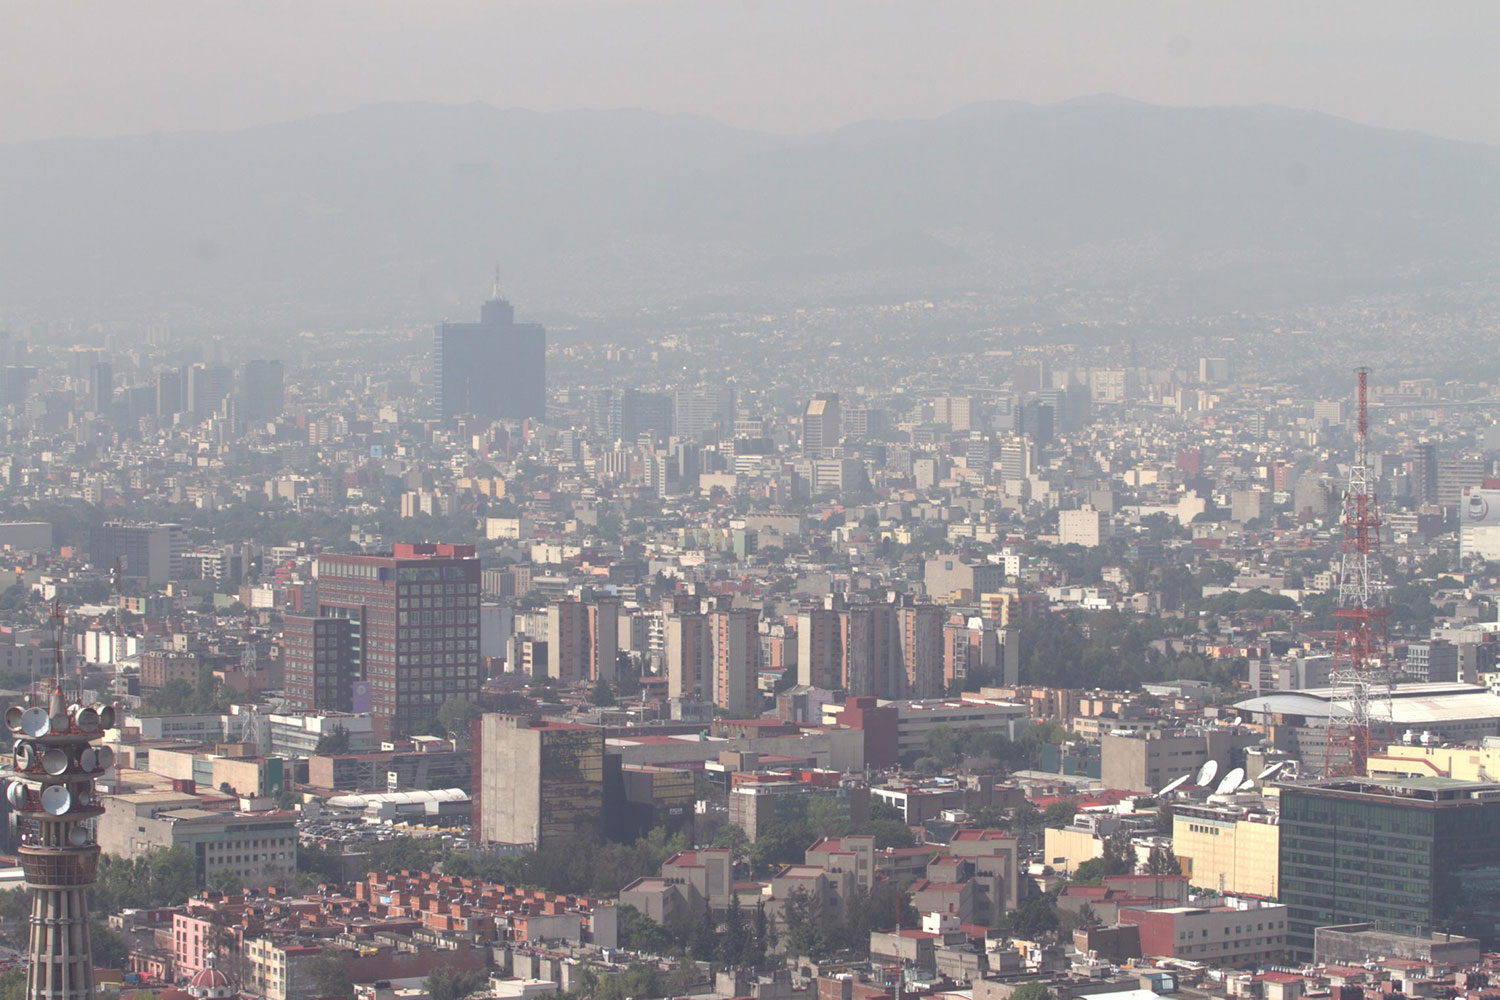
(150,553)
(1424,472)
(568,648)
(820,650)
(604,637)
(262,395)
(495,369)
(703,414)
(102,388)
(955,411)
(537,782)
(1419,855)
(921,627)
(645,413)
(821,425)
(320,663)
(415,623)
(1036,420)
(207,385)
(168,393)
(689,649)
(735,637)
(871,658)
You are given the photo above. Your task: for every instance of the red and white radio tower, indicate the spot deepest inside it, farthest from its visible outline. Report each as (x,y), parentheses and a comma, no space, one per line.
(1361,679)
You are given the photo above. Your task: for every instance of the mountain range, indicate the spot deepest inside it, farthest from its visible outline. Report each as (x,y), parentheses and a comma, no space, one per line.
(400,212)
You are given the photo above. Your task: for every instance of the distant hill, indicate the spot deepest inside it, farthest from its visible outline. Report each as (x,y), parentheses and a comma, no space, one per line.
(400,211)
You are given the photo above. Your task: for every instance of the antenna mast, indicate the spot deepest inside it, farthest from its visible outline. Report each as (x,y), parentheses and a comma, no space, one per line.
(1361,679)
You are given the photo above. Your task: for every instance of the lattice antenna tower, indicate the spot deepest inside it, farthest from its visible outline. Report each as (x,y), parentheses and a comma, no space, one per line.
(1361,678)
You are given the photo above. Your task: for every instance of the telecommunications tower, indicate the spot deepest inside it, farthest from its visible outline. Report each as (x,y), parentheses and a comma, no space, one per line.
(57,808)
(1361,678)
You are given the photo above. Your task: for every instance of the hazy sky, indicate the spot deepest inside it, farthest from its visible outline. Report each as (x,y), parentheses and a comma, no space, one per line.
(100,67)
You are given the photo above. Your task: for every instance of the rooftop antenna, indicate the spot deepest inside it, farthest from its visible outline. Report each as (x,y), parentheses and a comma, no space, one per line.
(495,291)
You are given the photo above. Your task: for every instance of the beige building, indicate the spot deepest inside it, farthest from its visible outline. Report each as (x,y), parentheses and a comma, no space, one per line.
(537,781)
(259,848)
(1464,763)
(1228,849)
(1144,762)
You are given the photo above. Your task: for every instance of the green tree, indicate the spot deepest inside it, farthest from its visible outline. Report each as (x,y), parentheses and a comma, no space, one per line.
(603,696)
(1162,861)
(335,741)
(1060,813)
(328,974)
(226,881)
(13,985)
(1032,991)
(455,984)
(639,932)
(1119,854)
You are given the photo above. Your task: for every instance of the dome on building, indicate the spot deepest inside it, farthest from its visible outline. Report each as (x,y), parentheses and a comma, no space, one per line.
(210,983)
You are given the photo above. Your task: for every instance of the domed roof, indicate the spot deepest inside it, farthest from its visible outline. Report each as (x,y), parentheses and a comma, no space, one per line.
(209,978)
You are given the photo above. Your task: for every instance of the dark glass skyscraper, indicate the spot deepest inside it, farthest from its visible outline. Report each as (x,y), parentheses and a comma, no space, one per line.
(496,368)
(1414,856)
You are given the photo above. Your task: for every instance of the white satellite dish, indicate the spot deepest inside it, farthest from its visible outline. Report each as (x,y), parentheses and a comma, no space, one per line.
(1270,770)
(13,717)
(60,722)
(1245,785)
(106,758)
(1206,773)
(1174,784)
(88,760)
(25,757)
(86,718)
(34,722)
(1230,781)
(56,799)
(78,836)
(106,716)
(55,761)
(16,794)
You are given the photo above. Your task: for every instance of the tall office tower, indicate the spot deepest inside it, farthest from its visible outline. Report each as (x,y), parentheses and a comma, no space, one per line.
(643,413)
(321,663)
(704,414)
(820,647)
(871,659)
(207,385)
(1424,472)
(1213,371)
(569,659)
(1455,473)
(414,617)
(495,369)
(168,393)
(735,635)
(921,628)
(101,388)
(1035,419)
(149,553)
(52,797)
(1417,854)
(262,395)
(955,411)
(1017,459)
(820,425)
(604,637)
(689,652)
(537,782)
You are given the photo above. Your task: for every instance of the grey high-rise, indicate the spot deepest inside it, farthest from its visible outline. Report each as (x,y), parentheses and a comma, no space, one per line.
(496,368)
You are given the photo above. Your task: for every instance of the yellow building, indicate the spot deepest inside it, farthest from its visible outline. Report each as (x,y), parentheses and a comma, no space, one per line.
(1070,847)
(1227,849)
(1463,763)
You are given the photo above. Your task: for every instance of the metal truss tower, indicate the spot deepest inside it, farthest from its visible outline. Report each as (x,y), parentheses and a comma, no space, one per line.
(1361,676)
